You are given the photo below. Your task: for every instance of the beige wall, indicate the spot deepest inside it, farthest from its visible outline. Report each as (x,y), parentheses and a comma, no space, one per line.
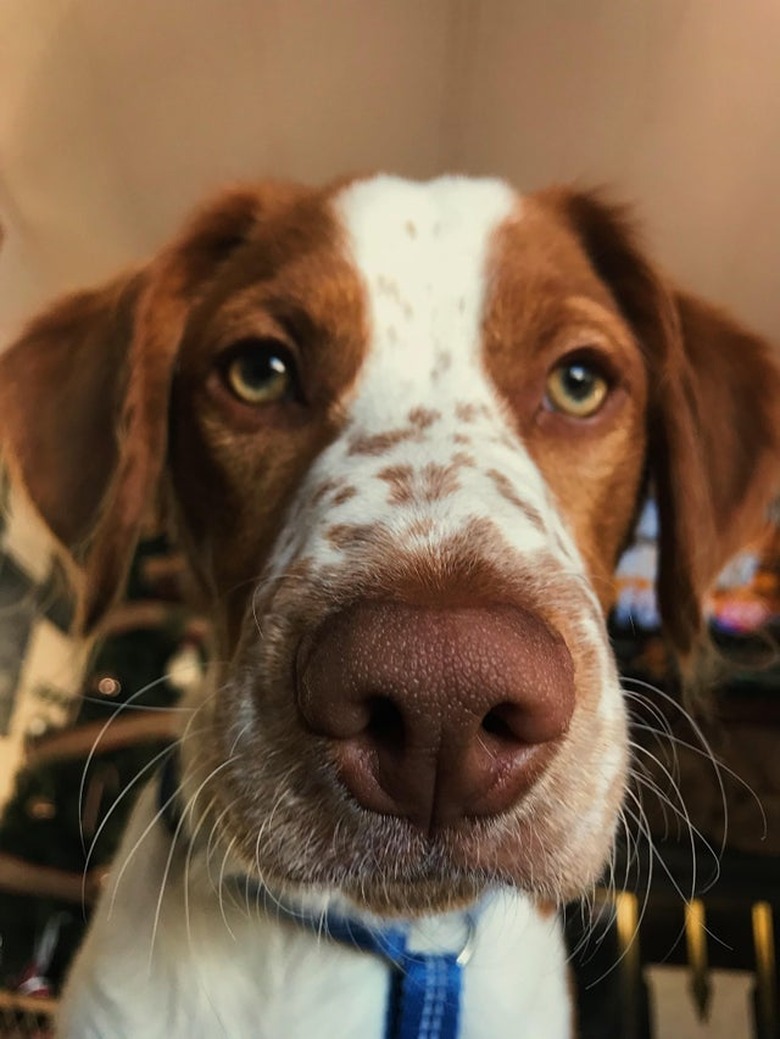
(115,116)
(676,102)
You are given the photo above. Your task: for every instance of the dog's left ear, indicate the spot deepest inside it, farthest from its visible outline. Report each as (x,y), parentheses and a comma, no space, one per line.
(84,400)
(715,454)
(713,420)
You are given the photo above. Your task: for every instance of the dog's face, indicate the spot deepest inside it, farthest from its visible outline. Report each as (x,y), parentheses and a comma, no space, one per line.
(402,431)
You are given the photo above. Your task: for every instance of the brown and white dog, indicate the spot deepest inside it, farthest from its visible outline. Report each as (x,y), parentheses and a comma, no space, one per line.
(401,432)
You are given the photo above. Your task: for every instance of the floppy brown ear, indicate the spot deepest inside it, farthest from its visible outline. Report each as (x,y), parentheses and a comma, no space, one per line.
(715,453)
(84,400)
(62,384)
(713,415)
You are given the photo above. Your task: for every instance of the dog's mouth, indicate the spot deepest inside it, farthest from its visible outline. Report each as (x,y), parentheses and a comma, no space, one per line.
(314,837)
(395,871)
(389,868)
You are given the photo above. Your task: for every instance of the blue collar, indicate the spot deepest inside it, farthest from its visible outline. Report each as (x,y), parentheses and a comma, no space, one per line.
(425,988)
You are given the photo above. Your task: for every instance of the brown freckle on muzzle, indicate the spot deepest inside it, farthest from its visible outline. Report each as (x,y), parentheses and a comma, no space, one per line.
(546,909)
(462,459)
(344,495)
(440,481)
(379,443)
(352,535)
(506,489)
(324,489)
(422,418)
(469,412)
(399,477)
(466,412)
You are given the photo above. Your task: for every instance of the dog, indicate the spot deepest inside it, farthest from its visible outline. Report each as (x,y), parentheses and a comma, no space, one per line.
(401,432)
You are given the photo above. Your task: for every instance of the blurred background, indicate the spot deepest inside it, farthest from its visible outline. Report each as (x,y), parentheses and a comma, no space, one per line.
(115,118)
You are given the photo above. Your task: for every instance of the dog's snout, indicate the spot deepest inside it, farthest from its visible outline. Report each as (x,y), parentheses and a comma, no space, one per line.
(436,714)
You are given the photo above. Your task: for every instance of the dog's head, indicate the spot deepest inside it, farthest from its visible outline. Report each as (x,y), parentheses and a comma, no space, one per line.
(402,431)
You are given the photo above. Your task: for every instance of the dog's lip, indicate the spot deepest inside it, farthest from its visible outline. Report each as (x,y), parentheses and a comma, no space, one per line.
(464,855)
(534,760)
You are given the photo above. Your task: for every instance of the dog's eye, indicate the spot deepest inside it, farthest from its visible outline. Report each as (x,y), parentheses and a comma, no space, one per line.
(260,371)
(577,388)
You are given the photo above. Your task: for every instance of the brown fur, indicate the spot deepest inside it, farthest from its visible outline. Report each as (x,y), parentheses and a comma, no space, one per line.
(504,487)
(439,481)
(380,443)
(422,418)
(399,478)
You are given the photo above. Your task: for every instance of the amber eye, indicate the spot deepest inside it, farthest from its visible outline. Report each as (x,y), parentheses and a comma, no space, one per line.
(577,388)
(260,371)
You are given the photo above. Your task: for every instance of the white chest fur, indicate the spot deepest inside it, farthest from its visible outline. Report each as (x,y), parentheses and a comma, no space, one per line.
(212,967)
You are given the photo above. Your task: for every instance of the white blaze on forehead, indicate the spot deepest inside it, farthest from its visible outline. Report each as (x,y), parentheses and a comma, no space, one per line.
(423,254)
(422,251)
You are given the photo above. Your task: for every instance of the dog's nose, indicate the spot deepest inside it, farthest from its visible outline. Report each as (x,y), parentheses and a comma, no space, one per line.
(436,714)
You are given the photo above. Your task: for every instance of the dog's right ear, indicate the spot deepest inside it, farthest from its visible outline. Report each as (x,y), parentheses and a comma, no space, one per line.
(84,400)
(62,387)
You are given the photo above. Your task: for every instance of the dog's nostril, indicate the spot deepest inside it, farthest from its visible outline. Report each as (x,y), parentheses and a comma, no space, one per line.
(498,723)
(385,723)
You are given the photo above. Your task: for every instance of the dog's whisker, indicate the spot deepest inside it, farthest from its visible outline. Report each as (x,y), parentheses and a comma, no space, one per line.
(140,774)
(192,837)
(680,812)
(221,885)
(164,879)
(132,783)
(706,751)
(117,710)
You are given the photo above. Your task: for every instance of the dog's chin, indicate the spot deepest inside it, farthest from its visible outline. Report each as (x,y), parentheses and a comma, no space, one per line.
(414,900)
(387,901)
(377,898)
(450,892)
(384,866)
(404,886)
(415,890)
